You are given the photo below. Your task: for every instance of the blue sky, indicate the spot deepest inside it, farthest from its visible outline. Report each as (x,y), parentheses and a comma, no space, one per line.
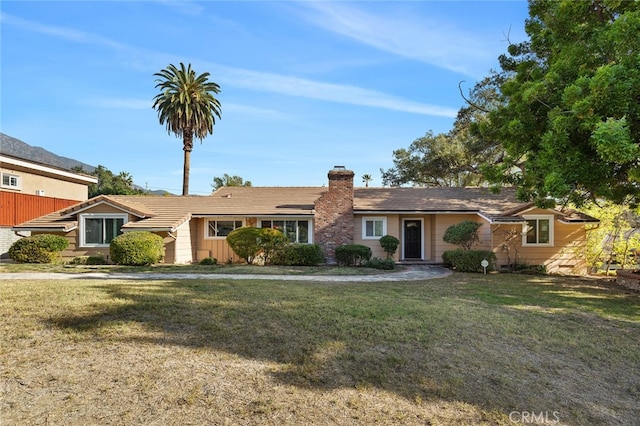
(305,85)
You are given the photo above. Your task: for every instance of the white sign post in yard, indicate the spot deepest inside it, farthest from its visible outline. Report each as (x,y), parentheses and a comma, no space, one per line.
(484,265)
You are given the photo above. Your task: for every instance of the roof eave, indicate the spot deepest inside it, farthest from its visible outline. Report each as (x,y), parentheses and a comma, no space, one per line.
(578,221)
(148,229)
(75,210)
(43,168)
(369,211)
(508,221)
(253,214)
(43,228)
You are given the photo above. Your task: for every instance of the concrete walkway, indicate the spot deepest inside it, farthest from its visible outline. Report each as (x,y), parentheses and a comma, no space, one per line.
(411,273)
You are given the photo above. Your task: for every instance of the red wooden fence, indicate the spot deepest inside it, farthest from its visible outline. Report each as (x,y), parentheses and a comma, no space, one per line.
(16,208)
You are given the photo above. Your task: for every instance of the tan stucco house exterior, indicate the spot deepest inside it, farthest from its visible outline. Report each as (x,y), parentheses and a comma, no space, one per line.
(195,227)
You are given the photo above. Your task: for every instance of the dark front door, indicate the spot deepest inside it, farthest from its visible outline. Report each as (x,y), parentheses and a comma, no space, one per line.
(412,239)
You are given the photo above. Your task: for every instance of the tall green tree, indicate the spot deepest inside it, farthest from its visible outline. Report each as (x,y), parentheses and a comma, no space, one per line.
(570,119)
(431,160)
(187,105)
(615,239)
(111,184)
(227,180)
(454,158)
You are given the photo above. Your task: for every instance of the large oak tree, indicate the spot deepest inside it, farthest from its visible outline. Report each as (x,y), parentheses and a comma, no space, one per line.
(570,119)
(454,158)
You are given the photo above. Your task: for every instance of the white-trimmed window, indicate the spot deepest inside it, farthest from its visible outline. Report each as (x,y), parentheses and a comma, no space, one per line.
(97,230)
(373,228)
(538,231)
(297,231)
(10,180)
(220,228)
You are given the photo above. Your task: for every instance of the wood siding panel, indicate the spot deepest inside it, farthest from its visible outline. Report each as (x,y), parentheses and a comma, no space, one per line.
(567,255)
(17,208)
(393,228)
(444,221)
(216,248)
(428,229)
(104,208)
(395,224)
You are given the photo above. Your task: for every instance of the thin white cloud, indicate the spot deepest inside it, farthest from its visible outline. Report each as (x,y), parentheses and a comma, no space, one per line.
(251,110)
(142,104)
(345,94)
(248,79)
(429,40)
(60,32)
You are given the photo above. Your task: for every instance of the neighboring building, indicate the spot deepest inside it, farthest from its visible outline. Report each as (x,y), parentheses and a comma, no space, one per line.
(196,227)
(29,190)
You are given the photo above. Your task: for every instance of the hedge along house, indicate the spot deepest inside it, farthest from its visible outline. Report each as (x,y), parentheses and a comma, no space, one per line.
(194,228)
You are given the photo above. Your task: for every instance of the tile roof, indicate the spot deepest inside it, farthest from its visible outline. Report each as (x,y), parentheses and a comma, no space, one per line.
(129,204)
(52,221)
(159,212)
(435,200)
(168,213)
(252,201)
(573,216)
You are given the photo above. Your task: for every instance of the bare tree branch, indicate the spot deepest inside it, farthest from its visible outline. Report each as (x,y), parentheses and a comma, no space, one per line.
(468,100)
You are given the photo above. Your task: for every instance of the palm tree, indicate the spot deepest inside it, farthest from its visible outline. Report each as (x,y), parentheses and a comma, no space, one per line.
(187,105)
(366,179)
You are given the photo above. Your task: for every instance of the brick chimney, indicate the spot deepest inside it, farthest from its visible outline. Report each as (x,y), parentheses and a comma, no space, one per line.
(334,213)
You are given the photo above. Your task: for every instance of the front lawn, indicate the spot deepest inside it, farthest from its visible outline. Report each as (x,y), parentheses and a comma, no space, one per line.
(193,269)
(465,349)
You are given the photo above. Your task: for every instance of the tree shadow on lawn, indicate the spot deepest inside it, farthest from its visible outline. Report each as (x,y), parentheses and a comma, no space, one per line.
(468,340)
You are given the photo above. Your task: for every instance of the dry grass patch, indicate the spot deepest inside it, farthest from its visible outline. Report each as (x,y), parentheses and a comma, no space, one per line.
(466,349)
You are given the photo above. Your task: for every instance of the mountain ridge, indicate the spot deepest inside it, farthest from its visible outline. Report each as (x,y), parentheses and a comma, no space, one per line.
(20,149)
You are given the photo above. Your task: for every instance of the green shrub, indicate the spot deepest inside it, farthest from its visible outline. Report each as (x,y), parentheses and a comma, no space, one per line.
(353,254)
(271,242)
(526,269)
(79,260)
(245,242)
(209,261)
(389,244)
(39,248)
(136,248)
(97,259)
(53,243)
(386,264)
(463,234)
(469,260)
(249,242)
(298,255)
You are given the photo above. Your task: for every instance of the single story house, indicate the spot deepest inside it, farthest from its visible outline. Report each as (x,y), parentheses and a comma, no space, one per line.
(195,227)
